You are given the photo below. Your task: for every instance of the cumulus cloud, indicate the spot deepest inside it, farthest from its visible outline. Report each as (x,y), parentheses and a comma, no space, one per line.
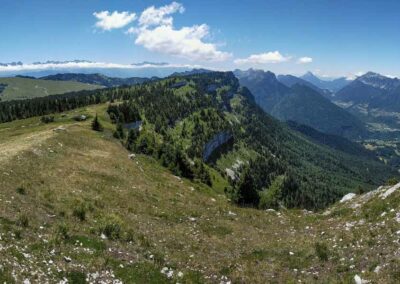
(115,20)
(186,42)
(155,31)
(304,60)
(263,58)
(153,16)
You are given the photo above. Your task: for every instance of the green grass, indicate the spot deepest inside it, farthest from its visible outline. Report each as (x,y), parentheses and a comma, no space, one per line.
(25,88)
(151,219)
(142,273)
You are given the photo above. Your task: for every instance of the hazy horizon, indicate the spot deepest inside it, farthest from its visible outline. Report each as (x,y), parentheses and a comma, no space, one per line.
(330,39)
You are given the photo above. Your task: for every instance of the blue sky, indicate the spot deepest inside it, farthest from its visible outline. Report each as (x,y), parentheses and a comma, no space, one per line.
(330,38)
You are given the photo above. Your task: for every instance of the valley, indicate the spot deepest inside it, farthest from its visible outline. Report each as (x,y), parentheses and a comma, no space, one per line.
(199,142)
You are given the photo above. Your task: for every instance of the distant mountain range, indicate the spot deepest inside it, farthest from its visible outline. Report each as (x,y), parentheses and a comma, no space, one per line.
(264,86)
(374,90)
(19,63)
(96,79)
(331,85)
(301,103)
(11,64)
(144,63)
(290,81)
(41,69)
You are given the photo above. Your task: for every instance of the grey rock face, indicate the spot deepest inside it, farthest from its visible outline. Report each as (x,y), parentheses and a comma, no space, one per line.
(218,140)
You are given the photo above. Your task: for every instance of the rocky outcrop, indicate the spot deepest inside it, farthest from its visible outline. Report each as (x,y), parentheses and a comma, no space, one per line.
(133,125)
(217,141)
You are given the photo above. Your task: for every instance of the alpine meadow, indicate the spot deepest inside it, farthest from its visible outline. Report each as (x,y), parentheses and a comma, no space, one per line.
(199,142)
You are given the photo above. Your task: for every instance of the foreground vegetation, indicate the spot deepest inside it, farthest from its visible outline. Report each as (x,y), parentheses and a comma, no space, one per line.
(202,125)
(77,206)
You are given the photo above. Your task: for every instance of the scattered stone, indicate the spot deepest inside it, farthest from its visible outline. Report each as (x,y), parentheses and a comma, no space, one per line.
(359,280)
(59,128)
(347,197)
(397,218)
(390,191)
(230,173)
(81,117)
(377,269)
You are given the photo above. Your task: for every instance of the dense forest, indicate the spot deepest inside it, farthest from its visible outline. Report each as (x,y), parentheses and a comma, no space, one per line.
(178,119)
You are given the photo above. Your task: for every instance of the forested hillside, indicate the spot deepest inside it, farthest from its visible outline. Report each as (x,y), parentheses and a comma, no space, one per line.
(203,124)
(95,79)
(86,210)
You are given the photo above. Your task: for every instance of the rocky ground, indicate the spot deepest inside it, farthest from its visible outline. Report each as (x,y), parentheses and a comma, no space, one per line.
(76,207)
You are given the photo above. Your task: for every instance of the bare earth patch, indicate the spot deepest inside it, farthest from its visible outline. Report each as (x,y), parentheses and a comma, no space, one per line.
(13,147)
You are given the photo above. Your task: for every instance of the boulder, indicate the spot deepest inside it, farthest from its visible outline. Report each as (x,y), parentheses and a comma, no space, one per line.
(347,197)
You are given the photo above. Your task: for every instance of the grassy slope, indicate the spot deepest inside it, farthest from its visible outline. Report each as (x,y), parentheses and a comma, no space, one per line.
(24,88)
(164,221)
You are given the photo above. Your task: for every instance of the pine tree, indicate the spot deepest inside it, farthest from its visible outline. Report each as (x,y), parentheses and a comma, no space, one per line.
(132,136)
(119,131)
(246,189)
(96,126)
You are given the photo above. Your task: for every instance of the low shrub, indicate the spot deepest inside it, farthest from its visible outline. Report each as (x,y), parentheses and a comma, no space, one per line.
(322,251)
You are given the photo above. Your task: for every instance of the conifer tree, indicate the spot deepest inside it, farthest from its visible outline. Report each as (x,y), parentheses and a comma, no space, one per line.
(96,126)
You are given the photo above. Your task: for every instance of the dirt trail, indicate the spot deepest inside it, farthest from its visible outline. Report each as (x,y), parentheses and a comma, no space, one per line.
(16,145)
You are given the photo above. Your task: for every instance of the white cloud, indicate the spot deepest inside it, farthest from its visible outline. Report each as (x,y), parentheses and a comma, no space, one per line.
(153,16)
(85,65)
(353,76)
(156,32)
(304,60)
(263,58)
(115,20)
(186,42)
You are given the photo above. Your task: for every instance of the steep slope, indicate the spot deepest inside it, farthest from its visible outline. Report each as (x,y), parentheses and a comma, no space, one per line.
(331,85)
(299,103)
(368,87)
(208,123)
(308,107)
(378,81)
(391,102)
(18,88)
(96,79)
(87,213)
(290,81)
(264,86)
(358,93)
(333,141)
